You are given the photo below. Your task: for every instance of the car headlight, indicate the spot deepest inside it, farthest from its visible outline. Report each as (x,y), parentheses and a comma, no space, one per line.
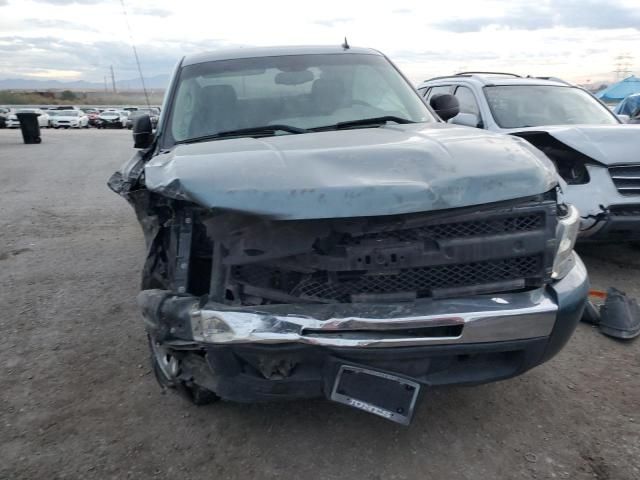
(566,234)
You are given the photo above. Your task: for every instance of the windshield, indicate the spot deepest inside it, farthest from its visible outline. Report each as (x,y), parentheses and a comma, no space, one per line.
(301,91)
(70,113)
(519,106)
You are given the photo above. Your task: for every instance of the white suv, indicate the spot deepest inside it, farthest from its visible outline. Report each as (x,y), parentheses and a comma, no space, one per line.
(593,151)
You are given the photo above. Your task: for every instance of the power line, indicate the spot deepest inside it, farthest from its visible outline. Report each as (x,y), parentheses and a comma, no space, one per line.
(135,52)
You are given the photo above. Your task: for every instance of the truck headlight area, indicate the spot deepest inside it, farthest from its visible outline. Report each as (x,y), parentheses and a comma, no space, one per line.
(566,235)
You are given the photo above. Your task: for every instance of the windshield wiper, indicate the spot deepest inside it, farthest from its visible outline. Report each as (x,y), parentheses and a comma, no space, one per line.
(246,132)
(363,122)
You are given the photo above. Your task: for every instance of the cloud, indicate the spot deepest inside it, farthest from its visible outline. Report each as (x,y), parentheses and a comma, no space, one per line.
(91,59)
(4,3)
(53,23)
(589,14)
(152,11)
(70,2)
(333,22)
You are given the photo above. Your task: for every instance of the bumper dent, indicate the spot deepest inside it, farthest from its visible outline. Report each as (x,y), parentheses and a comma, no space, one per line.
(479,319)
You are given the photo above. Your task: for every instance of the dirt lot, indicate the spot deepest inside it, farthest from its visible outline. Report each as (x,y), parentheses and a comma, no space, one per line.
(77,398)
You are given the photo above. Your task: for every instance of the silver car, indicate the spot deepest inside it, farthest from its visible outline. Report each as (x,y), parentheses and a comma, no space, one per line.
(595,154)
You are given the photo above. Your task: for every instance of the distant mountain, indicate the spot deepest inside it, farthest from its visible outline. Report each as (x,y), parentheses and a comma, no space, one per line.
(155,82)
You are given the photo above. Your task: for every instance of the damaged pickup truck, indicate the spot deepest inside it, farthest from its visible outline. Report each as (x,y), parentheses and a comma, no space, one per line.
(313,229)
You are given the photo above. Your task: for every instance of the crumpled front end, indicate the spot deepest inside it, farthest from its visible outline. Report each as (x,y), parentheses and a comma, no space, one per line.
(256,306)
(262,309)
(601,170)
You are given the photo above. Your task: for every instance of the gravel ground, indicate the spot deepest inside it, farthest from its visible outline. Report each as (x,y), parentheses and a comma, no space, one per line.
(78,399)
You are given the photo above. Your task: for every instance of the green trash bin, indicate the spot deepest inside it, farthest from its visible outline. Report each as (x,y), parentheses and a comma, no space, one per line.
(29,126)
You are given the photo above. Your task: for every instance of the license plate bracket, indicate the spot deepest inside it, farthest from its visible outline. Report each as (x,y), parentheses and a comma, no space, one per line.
(386,395)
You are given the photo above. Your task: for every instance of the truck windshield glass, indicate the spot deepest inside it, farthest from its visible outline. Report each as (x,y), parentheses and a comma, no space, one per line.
(519,106)
(302,91)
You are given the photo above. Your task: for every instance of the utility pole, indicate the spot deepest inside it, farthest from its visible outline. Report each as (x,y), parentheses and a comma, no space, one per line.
(113,80)
(106,89)
(623,66)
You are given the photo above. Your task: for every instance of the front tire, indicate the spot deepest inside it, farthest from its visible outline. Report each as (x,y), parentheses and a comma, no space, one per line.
(166,368)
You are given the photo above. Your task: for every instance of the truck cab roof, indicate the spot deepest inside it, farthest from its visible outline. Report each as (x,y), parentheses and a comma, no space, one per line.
(251,52)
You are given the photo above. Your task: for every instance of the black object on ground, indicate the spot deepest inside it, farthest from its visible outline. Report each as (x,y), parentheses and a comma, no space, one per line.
(591,314)
(619,317)
(30,127)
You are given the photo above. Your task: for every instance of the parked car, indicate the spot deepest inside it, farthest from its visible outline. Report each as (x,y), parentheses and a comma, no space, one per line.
(593,152)
(4,113)
(153,114)
(52,114)
(43,117)
(70,119)
(314,230)
(113,119)
(64,107)
(630,107)
(93,114)
(12,121)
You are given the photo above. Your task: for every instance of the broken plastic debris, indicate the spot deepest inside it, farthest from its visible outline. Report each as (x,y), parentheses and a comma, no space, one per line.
(618,317)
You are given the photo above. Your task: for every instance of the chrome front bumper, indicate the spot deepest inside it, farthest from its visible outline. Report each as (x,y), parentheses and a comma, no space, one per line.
(477,319)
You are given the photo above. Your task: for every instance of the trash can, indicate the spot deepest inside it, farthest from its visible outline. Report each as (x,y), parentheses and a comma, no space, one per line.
(30,127)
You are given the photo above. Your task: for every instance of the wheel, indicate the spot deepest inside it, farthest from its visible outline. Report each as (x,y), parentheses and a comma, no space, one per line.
(38,140)
(166,368)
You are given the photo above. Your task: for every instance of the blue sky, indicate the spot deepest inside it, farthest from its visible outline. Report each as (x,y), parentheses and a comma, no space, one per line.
(79,39)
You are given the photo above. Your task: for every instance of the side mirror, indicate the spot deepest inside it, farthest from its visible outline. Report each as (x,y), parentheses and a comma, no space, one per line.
(466,119)
(142,132)
(623,118)
(445,105)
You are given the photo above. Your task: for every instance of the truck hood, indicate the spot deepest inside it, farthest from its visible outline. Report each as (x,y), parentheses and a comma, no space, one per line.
(606,144)
(351,173)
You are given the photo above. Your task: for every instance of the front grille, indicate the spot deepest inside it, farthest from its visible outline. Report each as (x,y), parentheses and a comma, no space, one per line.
(413,256)
(626,179)
(625,211)
(510,224)
(422,281)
